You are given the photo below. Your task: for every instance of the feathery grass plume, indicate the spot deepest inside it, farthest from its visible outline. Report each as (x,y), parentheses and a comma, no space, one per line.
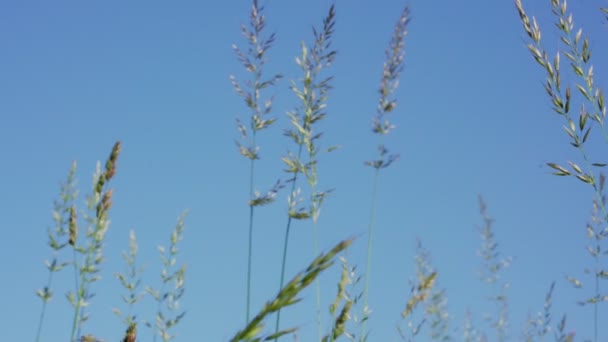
(254,60)
(592,108)
(64,216)
(87,266)
(492,266)
(130,281)
(288,295)
(312,92)
(381,125)
(168,312)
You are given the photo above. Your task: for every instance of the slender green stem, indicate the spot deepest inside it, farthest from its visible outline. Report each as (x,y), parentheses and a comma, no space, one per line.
(316,252)
(43,311)
(249,257)
(597,293)
(159,309)
(370,237)
(286,242)
(78,290)
(250,247)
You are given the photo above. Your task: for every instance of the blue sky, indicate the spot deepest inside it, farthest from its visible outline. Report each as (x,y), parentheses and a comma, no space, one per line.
(472,118)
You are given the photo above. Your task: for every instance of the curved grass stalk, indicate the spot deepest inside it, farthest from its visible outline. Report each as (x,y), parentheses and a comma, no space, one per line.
(287,296)
(579,55)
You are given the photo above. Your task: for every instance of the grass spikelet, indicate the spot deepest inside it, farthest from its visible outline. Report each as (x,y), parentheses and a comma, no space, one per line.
(73,228)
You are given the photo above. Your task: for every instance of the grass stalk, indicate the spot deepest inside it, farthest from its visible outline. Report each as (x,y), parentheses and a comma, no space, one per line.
(168,312)
(368,261)
(58,238)
(491,271)
(130,281)
(579,54)
(393,66)
(312,93)
(98,204)
(253,60)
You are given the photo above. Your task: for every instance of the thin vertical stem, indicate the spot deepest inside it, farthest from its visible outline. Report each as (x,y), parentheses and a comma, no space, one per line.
(286,242)
(250,247)
(42,313)
(316,252)
(597,294)
(370,237)
(78,300)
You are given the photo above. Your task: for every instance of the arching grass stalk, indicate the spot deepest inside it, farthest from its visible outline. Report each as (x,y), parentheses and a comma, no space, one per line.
(312,92)
(578,53)
(98,204)
(382,126)
(253,60)
(287,296)
(59,237)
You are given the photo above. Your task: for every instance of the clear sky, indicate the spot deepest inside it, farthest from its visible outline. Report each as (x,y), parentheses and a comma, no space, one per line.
(472,118)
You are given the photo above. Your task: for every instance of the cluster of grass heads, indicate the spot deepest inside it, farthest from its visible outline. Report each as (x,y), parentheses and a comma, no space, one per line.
(425,313)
